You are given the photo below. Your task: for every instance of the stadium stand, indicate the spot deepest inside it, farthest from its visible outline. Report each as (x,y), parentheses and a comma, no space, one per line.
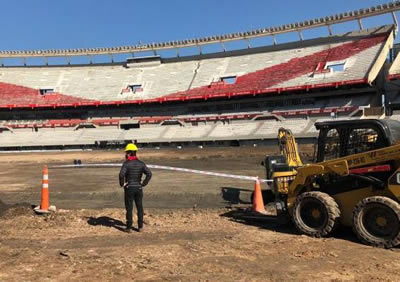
(292,67)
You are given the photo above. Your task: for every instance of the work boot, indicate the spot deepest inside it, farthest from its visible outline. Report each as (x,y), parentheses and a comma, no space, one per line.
(140,229)
(128,229)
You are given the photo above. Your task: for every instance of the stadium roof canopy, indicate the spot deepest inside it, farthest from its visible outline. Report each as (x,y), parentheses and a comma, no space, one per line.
(298,27)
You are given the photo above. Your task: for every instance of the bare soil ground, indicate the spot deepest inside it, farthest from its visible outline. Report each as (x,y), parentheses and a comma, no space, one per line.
(189,233)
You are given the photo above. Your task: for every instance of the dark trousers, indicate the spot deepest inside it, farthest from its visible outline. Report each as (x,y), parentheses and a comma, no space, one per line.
(134,194)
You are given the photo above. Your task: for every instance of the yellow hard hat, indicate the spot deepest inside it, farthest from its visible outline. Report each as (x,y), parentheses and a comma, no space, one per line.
(131,147)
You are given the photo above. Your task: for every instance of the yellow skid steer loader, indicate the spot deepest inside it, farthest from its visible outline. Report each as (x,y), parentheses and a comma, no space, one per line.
(354,181)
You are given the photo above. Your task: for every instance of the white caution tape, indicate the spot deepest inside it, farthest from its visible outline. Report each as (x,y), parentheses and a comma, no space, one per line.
(242,177)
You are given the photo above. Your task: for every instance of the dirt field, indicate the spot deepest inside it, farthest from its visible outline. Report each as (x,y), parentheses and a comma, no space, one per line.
(190,234)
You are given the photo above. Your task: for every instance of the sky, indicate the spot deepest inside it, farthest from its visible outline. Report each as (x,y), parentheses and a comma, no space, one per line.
(64,24)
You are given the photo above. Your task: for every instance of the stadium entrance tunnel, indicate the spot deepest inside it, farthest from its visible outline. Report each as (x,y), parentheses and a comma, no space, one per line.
(129,124)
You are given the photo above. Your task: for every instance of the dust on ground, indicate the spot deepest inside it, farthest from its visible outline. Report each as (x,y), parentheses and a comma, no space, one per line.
(191,230)
(184,244)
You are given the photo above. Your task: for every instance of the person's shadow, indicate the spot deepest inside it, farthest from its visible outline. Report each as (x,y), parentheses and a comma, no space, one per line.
(107,221)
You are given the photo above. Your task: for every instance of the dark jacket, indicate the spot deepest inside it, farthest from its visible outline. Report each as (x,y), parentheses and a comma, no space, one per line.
(132,172)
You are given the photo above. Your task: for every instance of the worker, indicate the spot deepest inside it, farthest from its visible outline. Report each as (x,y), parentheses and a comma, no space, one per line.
(130,178)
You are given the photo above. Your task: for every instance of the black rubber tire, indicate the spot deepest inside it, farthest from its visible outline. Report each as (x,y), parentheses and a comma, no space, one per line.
(371,232)
(321,224)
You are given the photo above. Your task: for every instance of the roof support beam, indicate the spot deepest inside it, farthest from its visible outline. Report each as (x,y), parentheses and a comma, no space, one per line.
(395,19)
(248,43)
(223,46)
(329,29)
(301,35)
(111,58)
(360,25)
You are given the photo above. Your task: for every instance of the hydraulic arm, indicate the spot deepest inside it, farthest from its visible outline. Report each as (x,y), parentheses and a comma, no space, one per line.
(288,147)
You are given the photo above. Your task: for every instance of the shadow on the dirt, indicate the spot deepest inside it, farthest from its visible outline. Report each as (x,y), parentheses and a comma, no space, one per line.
(273,223)
(270,222)
(345,233)
(13,210)
(235,195)
(3,207)
(107,221)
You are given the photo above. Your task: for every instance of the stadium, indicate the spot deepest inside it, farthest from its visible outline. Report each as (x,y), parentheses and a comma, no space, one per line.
(204,113)
(225,98)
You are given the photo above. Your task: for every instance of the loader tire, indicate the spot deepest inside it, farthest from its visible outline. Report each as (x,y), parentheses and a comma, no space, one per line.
(376,221)
(316,214)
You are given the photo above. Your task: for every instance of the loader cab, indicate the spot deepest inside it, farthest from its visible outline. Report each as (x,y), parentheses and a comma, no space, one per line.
(342,138)
(275,163)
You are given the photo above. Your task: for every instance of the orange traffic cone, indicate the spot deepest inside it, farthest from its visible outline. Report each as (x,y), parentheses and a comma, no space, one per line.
(44,204)
(258,202)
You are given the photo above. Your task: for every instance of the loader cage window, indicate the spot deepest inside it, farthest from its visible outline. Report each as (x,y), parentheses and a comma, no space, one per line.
(332,145)
(363,140)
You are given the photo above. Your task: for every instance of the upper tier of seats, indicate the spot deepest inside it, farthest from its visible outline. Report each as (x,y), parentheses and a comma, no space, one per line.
(353,58)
